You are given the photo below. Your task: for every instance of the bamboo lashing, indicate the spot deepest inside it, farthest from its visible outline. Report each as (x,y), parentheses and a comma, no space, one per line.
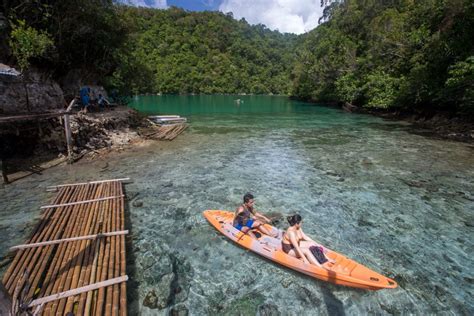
(79,242)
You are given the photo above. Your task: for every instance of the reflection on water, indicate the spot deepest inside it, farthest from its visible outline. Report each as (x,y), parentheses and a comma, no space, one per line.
(395,201)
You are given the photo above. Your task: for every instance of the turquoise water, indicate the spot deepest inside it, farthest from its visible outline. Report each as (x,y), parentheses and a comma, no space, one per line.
(383,193)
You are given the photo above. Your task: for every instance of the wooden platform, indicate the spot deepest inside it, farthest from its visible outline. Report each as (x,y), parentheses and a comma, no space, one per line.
(75,259)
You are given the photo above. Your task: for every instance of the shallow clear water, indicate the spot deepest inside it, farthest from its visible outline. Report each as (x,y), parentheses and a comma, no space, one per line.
(382,193)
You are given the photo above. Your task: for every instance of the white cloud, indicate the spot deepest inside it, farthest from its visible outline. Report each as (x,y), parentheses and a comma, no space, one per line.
(158,4)
(291,16)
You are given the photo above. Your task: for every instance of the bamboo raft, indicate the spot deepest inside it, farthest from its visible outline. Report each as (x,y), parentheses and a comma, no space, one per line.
(75,260)
(167,132)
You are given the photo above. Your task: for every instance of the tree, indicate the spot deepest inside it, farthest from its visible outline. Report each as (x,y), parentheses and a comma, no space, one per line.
(26,43)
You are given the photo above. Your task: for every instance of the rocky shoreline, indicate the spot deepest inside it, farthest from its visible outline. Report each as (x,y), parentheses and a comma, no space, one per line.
(111,129)
(441,124)
(93,135)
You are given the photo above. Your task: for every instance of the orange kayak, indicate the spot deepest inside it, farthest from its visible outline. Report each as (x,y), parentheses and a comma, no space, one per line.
(343,272)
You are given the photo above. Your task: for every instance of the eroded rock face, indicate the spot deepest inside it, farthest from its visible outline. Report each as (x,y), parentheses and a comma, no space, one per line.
(31,93)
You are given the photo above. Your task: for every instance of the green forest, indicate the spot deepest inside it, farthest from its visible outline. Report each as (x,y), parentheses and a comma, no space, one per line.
(381,54)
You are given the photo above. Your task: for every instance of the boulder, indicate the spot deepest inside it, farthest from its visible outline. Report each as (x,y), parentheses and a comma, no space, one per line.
(33,92)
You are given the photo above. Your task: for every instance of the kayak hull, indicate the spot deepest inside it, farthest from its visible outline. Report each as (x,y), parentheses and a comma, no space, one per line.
(344,271)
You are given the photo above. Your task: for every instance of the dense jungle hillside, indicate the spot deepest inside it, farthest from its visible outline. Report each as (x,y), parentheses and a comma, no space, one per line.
(391,54)
(397,54)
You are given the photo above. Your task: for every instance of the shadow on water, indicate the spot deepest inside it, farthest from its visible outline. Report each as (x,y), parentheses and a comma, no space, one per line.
(333,304)
(132,288)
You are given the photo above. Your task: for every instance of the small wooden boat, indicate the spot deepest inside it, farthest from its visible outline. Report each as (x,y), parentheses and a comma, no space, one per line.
(343,272)
(167,119)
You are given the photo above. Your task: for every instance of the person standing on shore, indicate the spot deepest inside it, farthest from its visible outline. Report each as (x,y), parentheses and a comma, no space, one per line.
(85,97)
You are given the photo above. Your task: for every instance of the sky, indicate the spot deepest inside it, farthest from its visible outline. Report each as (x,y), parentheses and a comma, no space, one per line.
(286,16)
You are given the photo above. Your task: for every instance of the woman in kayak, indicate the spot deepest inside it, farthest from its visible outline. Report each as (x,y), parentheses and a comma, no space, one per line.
(295,243)
(246,218)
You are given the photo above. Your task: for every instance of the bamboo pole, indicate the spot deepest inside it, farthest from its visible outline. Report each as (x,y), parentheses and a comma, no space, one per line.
(81,202)
(21,255)
(75,255)
(86,272)
(116,287)
(84,183)
(83,289)
(31,256)
(104,265)
(77,259)
(111,264)
(57,260)
(58,241)
(91,301)
(91,271)
(123,262)
(67,129)
(91,214)
(60,269)
(37,263)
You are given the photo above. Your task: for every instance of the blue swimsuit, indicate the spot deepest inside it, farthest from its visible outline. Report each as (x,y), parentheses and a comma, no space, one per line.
(243,219)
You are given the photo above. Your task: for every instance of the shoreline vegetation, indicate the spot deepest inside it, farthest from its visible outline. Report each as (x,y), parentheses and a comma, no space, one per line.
(399,60)
(383,55)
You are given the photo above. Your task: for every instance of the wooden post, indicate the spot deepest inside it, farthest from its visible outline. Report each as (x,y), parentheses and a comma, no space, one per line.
(67,128)
(4,171)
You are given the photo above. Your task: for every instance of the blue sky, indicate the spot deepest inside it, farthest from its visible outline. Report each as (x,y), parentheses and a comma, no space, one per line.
(292,16)
(196,5)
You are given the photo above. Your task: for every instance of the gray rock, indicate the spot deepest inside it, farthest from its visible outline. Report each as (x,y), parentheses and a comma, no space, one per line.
(151,300)
(43,95)
(164,290)
(286,283)
(179,310)
(137,203)
(268,310)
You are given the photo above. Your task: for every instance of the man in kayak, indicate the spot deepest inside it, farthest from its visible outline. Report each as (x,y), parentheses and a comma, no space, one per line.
(246,218)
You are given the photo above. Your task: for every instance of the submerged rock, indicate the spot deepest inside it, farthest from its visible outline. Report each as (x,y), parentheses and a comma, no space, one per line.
(307,296)
(268,310)
(151,300)
(158,297)
(246,305)
(137,203)
(179,310)
(286,283)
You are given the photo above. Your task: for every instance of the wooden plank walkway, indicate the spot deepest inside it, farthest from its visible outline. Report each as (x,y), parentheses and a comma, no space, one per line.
(85,276)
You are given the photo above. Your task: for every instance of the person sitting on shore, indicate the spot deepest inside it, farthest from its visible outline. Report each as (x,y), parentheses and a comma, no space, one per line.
(295,243)
(246,218)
